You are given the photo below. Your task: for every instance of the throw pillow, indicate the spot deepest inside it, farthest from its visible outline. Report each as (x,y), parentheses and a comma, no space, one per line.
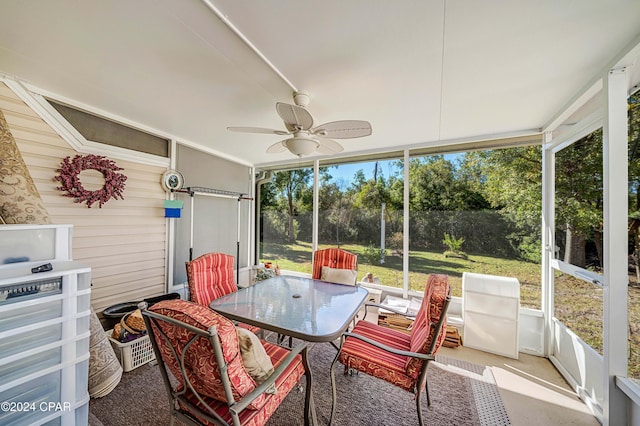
(254,357)
(338,276)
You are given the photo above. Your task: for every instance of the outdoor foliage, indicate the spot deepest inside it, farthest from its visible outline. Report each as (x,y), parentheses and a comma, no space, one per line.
(455,199)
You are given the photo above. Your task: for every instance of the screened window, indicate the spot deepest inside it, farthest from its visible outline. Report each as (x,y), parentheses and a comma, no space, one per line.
(477,212)
(578,249)
(361,210)
(286,220)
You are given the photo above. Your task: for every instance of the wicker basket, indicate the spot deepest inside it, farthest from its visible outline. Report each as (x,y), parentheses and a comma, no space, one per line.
(133,354)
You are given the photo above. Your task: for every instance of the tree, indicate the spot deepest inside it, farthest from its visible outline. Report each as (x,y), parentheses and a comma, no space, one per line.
(432,184)
(291,188)
(579,197)
(334,208)
(444,200)
(634,178)
(513,184)
(511,181)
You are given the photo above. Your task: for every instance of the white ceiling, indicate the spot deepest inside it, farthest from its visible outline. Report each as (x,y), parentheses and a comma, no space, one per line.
(497,68)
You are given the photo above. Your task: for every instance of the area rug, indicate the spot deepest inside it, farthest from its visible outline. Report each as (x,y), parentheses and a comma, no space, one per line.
(462,394)
(486,396)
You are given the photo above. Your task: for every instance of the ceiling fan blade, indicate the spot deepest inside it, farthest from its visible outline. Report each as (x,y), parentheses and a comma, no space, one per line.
(257,130)
(329,146)
(295,117)
(343,129)
(277,147)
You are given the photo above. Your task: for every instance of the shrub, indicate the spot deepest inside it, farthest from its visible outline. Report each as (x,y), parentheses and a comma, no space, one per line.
(374,255)
(454,246)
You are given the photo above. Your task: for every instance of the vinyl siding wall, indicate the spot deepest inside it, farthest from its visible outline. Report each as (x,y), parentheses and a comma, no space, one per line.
(124,242)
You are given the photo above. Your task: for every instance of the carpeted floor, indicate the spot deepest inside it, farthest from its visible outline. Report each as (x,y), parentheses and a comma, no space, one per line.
(461,394)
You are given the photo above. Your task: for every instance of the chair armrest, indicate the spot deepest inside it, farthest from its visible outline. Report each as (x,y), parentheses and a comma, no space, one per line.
(388,308)
(261,388)
(426,357)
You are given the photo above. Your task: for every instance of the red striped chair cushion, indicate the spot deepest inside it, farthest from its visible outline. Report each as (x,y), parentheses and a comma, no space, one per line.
(378,362)
(285,383)
(333,258)
(252,328)
(430,311)
(210,276)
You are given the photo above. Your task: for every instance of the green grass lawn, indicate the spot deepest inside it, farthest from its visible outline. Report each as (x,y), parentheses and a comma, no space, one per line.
(577,304)
(297,257)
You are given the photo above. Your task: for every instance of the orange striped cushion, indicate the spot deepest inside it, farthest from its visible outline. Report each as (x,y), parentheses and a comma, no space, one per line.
(374,361)
(430,311)
(210,276)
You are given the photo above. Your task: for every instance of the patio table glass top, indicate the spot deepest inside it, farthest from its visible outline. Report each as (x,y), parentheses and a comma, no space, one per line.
(304,308)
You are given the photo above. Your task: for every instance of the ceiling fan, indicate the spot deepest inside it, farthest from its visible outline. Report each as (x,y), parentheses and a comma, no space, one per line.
(305,138)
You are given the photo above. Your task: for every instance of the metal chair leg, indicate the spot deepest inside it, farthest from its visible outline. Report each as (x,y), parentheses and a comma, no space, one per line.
(426,389)
(310,418)
(418,407)
(334,395)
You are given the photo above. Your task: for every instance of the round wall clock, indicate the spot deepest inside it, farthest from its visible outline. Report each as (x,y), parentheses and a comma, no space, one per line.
(172,180)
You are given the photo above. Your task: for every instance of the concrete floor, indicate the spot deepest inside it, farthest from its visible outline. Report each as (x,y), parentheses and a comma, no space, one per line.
(532,390)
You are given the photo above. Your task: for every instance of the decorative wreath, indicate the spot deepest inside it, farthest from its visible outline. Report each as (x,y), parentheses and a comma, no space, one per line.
(69,176)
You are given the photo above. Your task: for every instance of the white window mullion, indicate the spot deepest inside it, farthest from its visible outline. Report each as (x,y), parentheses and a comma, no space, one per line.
(316,206)
(615,173)
(548,240)
(405,228)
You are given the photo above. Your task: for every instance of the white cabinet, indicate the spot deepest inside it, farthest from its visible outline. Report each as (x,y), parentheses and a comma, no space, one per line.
(491,309)
(44,336)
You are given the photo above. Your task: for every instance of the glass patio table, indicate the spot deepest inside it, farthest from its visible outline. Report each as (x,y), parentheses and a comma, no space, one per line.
(304,308)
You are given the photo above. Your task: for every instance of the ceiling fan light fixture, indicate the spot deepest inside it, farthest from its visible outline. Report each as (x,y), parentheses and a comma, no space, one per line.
(301,98)
(301,146)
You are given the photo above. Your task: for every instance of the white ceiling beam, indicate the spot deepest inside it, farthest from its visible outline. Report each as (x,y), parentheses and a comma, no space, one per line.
(225,20)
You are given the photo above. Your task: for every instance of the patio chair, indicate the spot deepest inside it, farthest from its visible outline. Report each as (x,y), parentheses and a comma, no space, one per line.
(212,377)
(335,265)
(211,276)
(399,358)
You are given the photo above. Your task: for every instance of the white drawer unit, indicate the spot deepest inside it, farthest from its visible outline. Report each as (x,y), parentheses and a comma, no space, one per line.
(490,308)
(44,340)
